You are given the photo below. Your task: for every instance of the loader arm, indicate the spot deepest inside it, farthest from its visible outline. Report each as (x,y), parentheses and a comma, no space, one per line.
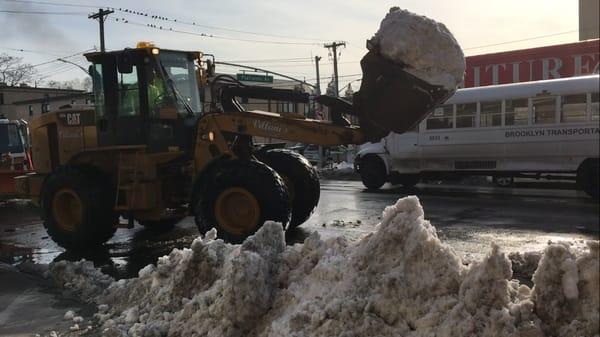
(214,129)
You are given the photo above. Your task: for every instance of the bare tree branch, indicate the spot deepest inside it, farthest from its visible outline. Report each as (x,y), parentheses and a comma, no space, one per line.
(13,71)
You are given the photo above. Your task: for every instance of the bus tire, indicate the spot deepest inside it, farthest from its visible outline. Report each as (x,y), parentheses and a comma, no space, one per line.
(588,176)
(237,196)
(77,208)
(301,179)
(372,172)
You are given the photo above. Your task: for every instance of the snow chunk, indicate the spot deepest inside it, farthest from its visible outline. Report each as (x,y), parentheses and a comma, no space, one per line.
(69,315)
(427,47)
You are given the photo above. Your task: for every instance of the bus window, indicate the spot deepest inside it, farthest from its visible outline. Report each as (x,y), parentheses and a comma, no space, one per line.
(572,108)
(595,106)
(544,110)
(491,114)
(517,111)
(441,118)
(465,115)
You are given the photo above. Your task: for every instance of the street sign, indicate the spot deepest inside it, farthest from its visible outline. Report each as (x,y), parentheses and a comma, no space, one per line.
(254,78)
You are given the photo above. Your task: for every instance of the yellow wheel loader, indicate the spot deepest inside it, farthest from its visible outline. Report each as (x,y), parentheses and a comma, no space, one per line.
(148,151)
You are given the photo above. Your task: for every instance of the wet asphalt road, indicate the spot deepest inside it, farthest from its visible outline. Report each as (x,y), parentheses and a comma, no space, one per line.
(468,218)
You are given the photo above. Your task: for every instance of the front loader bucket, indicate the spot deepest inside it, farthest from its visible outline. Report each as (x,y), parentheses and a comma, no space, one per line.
(391,99)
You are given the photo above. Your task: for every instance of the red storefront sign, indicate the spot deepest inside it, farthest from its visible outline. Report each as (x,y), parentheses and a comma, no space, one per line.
(565,60)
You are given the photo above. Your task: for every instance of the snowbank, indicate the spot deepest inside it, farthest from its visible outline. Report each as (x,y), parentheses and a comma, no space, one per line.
(427,47)
(400,280)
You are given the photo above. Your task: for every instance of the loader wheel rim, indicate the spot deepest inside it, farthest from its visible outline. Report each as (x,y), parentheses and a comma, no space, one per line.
(67,209)
(237,211)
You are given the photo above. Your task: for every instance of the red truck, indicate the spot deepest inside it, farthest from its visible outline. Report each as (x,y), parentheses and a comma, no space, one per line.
(14,156)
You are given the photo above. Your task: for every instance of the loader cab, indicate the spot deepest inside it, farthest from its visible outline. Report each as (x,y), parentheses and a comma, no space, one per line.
(146,96)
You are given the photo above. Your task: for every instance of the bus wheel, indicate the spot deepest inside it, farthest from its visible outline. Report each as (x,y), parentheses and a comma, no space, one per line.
(588,177)
(77,206)
(503,181)
(236,197)
(372,172)
(301,180)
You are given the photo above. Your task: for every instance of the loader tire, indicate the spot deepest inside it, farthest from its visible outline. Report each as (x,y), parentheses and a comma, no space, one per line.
(372,172)
(237,196)
(77,208)
(301,180)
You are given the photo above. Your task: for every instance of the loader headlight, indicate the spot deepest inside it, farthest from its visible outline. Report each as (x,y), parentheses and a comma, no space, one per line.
(211,136)
(155,51)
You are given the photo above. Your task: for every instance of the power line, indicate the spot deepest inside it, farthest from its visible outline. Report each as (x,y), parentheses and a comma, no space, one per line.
(165,18)
(170,29)
(522,40)
(40,13)
(50,3)
(193,23)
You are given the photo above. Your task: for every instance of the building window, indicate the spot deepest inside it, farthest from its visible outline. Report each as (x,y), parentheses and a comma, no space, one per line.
(72,101)
(45,108)
(572,108)
(491,114)
(30,109)
(1,98)
(517,112)
(441,118)
(465,115)
(288,107)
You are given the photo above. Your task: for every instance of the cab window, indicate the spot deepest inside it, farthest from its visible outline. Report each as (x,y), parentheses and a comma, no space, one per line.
(128,93)
(10,140)
(98,86)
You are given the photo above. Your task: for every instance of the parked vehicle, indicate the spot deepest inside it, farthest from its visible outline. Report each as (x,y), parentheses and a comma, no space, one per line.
(540,129)
(14,158)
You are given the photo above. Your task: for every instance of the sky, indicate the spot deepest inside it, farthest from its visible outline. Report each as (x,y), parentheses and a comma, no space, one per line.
(279,35)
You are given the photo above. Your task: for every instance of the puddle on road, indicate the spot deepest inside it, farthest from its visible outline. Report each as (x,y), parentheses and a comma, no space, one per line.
(13,253)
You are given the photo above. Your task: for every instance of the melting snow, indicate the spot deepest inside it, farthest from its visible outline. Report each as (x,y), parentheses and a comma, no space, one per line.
(400,280)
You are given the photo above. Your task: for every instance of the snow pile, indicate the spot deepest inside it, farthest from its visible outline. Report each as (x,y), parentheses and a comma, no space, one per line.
(566,291)
(400,280)
(427,47)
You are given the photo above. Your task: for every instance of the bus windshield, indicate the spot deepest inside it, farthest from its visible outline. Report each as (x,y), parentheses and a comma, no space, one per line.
(10,139)
(179,69)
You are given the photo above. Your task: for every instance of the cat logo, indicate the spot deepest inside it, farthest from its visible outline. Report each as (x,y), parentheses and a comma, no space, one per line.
(73,119)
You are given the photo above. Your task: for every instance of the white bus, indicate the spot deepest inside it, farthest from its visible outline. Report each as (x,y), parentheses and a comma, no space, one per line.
(538,129)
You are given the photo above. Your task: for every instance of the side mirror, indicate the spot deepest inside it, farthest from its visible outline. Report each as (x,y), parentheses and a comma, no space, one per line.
(124,64)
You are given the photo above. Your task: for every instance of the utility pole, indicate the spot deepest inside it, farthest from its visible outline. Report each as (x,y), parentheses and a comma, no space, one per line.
(101,16)
(317,59)
(333,46)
